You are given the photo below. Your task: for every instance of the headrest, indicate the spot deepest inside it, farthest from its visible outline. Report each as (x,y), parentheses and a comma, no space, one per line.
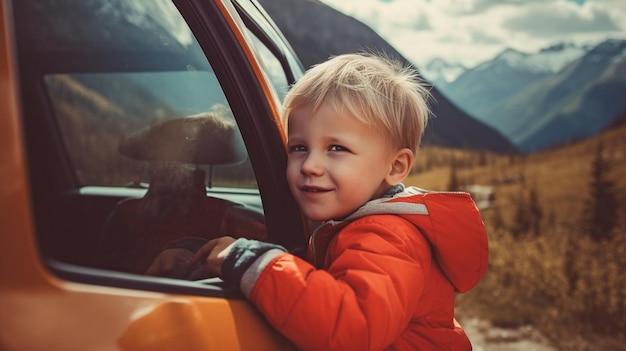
(207,138)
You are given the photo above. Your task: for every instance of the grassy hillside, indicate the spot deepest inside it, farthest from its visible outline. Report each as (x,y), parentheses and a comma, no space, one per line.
(545,270)
(559,175)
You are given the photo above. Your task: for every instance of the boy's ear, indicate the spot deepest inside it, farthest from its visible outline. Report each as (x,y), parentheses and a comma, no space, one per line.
(401,166)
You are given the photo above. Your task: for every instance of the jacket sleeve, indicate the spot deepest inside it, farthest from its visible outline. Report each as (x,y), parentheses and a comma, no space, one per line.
(363,301)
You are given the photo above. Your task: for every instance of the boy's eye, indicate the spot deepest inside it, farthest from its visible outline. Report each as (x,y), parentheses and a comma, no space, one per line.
(337,148)
(296,148)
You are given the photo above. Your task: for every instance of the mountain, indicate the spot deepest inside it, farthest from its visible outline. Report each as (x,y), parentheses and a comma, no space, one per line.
(578,102)
(554,96)
(479,90)
(554,58)
(317,31)
(441,72)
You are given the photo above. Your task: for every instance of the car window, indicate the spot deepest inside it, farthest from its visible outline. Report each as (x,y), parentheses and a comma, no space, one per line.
(105,120)
(138,129)
(272,67)
(279,60)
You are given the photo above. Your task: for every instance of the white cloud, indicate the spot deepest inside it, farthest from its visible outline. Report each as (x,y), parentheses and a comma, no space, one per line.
(563,18)
(471,31)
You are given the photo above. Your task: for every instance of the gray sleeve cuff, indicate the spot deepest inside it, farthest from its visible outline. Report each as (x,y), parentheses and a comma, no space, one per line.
(242,255)
(249,277)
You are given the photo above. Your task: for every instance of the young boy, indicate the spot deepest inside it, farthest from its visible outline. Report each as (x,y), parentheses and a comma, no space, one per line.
(385,263)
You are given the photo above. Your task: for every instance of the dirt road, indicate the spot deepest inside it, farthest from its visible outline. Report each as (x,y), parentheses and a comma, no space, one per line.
(485,337)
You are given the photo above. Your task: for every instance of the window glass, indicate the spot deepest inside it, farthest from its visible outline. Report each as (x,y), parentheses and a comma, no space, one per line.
(146,134)
(118,126)
(272,67)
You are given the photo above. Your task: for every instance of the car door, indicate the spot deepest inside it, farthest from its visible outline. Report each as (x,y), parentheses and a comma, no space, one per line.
(100,97)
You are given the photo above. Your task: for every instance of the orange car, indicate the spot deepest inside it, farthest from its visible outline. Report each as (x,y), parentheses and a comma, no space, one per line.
(126,126)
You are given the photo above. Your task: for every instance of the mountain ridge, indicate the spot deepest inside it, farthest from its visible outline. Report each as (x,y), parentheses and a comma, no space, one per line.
(537,109)
(441,72)
(583,99)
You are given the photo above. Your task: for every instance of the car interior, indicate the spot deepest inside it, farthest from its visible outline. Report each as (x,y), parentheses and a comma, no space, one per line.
(176,204)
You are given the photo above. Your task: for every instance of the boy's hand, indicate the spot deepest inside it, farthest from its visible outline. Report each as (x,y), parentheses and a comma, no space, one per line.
(209,258)
(170,263)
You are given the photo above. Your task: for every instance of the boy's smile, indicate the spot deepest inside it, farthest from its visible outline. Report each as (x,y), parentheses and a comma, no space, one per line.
(336,163)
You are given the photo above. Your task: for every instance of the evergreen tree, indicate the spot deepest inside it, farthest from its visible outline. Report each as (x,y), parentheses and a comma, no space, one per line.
(497,219)
(600,211)
(453,183)
(521,219)
(535,211)
(482,158)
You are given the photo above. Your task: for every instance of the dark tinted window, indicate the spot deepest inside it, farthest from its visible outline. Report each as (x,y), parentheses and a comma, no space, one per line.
(148,144)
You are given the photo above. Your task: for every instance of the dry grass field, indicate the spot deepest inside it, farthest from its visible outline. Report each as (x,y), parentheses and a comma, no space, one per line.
(545,270)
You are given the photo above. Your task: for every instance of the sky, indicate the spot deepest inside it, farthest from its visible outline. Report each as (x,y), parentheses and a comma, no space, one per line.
(473,31)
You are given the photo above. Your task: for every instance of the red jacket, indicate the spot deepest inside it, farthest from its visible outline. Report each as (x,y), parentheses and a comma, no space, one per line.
(385,277)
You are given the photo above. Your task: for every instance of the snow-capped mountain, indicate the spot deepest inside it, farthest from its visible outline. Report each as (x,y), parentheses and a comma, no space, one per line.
(582,99)
(477,89)
(441,72)
(548,60)
(555,57)
(555,95)
(514,60)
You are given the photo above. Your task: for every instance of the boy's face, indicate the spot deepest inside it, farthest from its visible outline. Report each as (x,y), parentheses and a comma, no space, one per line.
(336,163)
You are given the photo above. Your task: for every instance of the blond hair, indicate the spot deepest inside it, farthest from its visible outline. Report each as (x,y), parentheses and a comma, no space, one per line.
(376,90)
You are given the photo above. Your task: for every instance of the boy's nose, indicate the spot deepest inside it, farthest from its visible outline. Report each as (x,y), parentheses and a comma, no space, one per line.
(312,165)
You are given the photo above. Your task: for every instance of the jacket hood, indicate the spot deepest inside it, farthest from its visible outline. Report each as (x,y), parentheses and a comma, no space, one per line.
(451,223)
